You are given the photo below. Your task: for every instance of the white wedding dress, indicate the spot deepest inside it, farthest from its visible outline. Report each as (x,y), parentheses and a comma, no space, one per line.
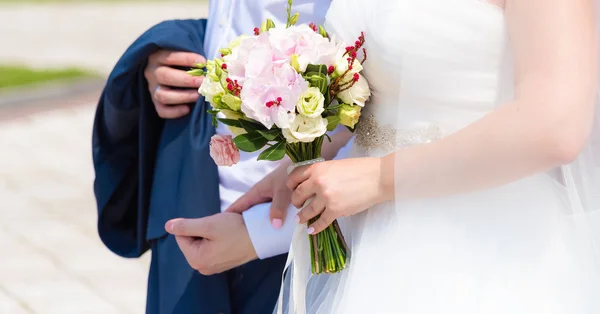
(528,247)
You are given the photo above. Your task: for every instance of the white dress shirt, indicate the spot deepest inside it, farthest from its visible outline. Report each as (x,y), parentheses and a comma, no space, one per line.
(227,20)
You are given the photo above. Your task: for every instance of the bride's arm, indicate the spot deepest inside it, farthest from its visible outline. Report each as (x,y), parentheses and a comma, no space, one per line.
(555,53)
(548,123)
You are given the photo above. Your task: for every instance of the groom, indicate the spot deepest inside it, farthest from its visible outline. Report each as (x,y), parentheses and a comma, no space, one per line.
(151,158)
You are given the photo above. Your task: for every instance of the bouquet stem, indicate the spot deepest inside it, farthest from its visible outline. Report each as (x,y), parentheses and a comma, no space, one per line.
(328,248)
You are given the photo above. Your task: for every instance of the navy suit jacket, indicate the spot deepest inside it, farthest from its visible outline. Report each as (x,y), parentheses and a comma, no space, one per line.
(126,138)
(149,170)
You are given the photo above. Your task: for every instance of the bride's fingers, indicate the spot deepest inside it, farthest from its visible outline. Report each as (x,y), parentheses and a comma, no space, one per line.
(298,176)
(302,193)
(310,211)
(322,223)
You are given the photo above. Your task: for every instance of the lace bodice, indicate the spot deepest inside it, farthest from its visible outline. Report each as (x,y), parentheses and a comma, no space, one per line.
(434,66)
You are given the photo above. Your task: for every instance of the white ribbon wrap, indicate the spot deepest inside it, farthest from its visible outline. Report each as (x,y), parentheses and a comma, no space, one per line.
(299,259)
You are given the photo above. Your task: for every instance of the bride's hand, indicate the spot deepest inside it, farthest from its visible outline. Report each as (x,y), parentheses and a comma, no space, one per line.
(340,188)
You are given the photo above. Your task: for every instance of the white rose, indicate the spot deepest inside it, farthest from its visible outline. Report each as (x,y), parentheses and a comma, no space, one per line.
(358,94)
(311,103)
(304,129)
(341,66)
(210,89)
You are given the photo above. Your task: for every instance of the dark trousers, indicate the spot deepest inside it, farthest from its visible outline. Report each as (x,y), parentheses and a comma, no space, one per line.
(249,289)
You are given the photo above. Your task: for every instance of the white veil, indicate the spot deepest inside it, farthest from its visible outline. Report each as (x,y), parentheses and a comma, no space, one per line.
(575,231)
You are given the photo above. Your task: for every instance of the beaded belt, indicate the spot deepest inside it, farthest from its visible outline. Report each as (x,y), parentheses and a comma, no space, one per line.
(372,135)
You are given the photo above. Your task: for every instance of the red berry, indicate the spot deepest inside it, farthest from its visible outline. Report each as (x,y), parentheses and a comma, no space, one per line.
(256,31)
(279,99)
(331,69)
(353,54)
(224,66)
(356,77)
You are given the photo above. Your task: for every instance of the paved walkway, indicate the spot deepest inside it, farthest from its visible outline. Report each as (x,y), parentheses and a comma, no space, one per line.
(51,259)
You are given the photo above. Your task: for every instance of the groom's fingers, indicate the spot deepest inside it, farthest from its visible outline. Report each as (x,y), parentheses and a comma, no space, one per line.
(279,207)
(167,95)
(201,227)
(178,58)
(191,249)
(177,78)
(246,201)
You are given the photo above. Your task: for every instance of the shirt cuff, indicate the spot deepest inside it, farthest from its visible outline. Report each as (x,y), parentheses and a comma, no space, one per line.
(268,241)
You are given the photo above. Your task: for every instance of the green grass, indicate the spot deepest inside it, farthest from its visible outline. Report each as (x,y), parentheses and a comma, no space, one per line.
(17,76)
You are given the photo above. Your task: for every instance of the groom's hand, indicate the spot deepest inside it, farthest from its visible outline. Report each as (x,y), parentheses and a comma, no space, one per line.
(213,244)
(172,89)
(271,188)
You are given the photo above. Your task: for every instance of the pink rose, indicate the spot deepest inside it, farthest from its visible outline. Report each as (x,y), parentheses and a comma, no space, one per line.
(272,99)
(223,151)
(301,41)
(253,58)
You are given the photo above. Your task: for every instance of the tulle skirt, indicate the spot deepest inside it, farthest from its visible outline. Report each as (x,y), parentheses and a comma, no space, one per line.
(511,250)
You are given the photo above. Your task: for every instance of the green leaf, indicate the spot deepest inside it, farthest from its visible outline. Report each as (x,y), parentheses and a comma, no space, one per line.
(273,153)
(332,122)
(318,68)
(328,95)
(250,142)
(319,82)
(334,107)
(230,122)
(213,113)
(251,127)
(270,135)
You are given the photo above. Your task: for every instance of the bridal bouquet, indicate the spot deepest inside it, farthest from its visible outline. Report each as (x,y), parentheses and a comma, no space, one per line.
(284,89)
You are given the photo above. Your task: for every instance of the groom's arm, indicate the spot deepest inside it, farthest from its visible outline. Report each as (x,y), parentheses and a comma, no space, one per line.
(267,240)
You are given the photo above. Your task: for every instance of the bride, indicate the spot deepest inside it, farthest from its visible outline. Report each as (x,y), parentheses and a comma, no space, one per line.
(474,186)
